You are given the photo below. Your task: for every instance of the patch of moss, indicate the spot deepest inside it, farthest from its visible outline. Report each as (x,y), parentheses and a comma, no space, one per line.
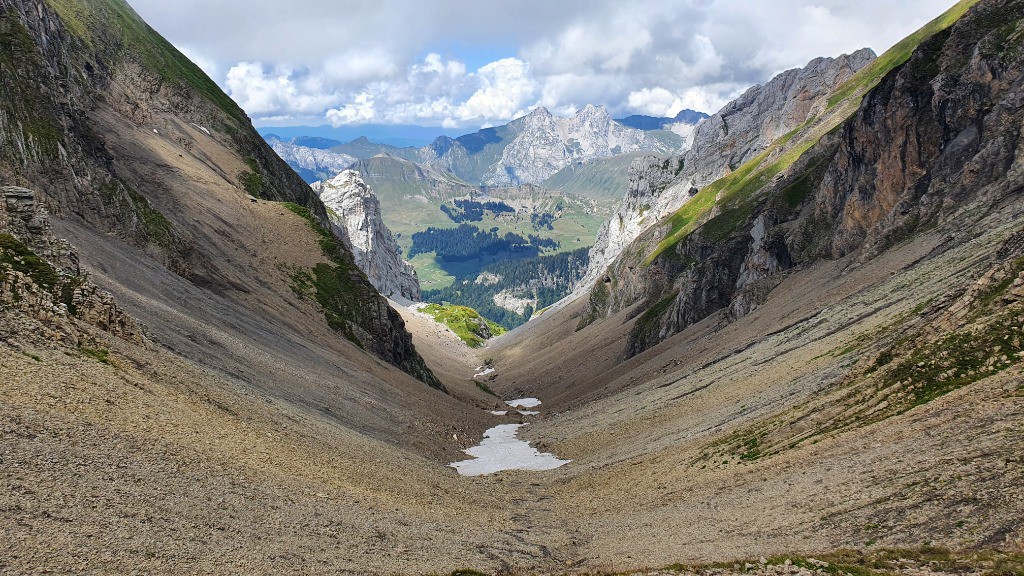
(466,322)
(23,260)
(252,180)
(101,355)
(328,242)
(953,361)
(156,227)
(339,298)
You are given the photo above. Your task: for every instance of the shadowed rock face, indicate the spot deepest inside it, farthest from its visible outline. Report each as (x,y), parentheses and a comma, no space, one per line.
(722,143)
(936,144)
(76,74)
(355,210)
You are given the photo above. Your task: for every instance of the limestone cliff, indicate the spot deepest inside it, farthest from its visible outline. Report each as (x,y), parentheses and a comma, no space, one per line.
(935,146)
(355,211)
(722,143)
(544,144)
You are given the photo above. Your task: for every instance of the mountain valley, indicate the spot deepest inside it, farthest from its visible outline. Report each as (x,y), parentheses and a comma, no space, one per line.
(786,338)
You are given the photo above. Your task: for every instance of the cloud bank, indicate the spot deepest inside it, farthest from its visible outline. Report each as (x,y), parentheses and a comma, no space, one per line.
(465,63)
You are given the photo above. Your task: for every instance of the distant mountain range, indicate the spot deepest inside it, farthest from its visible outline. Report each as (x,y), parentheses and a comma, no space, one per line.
(640,122)
(527,150)
(392,134)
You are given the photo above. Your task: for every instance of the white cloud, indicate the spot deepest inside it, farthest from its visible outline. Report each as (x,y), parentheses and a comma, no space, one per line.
(365,61)
(655,101)
(359,111)
(263,91)
(506,89)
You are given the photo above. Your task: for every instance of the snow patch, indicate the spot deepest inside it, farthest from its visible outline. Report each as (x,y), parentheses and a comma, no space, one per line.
(203,128)
(527,412)
(502,450)
(499,412)
(485,373)
(524,403)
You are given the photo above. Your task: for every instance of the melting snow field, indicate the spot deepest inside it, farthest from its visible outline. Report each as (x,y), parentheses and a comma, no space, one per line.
(484,373)
(502,450)
(524,403)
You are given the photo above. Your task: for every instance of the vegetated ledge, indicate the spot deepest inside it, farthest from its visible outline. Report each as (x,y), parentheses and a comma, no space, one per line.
(353,307)
(467,323)
(926,559)
(734,190)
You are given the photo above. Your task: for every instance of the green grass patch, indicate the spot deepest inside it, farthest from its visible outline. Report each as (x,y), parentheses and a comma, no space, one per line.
(252,180)
(328,241)
(467,323)
(101,355)
(868,77)
(25,261)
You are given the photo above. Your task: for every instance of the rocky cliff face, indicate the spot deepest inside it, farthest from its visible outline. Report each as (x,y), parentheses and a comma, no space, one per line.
(544,144)
(936,145)
(722,143)
(355,210)
(40,278)
(312,164)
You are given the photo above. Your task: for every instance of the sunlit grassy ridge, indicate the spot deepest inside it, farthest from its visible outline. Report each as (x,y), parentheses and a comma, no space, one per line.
(734,191)
(467,323)
(97,22)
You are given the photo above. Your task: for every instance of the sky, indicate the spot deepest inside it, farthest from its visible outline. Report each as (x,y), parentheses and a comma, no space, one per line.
(476,63)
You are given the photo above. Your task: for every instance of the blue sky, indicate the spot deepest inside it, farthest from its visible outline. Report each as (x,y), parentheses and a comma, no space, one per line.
(473,63)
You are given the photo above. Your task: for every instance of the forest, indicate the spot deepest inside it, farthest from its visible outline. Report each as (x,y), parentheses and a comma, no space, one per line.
(467,242)
(473,211)
(547,279)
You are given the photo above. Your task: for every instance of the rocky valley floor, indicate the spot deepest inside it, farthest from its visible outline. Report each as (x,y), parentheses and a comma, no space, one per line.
(143,460)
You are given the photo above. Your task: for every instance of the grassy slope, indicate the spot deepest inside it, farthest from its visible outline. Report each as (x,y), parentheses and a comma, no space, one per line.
(410,206)
(604,178)
(733,192)
(95,20)
(465,322)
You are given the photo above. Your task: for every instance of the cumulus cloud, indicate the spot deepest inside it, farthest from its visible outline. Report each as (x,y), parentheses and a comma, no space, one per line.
(506,88)
(406,61)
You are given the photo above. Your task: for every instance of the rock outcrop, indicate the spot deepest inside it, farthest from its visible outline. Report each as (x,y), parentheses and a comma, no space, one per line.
(41,279)
(355,211)
(936,145)
(722,143)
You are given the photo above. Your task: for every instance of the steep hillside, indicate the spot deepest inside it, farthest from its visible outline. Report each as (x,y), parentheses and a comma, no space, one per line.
(758,125)
(146,165)
(829,359)
(854,190)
